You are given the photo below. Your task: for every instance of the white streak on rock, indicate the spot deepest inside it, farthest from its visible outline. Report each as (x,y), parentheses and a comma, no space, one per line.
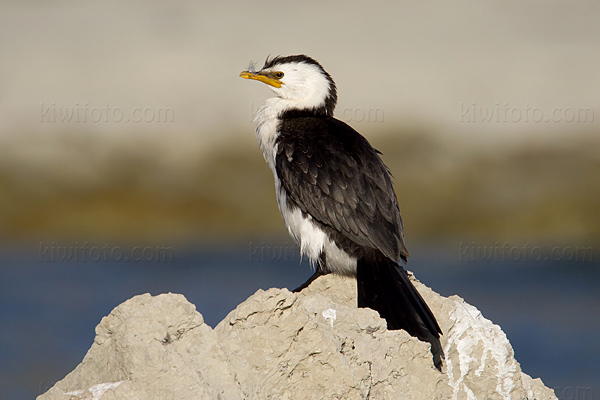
(329,314)
(472,331)
(96,391)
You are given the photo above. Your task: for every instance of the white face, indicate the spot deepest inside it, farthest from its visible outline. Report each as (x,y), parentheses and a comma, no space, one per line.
(302,83)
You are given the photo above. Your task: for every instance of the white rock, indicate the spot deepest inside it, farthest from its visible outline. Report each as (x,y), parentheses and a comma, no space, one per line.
(283,345)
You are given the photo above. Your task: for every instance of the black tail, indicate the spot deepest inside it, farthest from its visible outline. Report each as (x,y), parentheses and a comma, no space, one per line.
(384,286)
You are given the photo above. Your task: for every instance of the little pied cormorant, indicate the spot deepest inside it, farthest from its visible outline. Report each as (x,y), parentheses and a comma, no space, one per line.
(336,195)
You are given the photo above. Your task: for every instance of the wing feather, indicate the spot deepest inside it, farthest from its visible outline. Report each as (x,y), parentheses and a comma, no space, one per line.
(332,173)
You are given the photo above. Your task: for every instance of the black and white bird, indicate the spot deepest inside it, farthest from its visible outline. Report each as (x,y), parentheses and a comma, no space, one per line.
(336,195)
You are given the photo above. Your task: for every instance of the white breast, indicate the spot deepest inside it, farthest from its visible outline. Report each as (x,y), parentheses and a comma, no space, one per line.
(309,236)
(266,130)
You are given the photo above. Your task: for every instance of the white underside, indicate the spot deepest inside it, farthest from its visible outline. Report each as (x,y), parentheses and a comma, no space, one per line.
(309,236)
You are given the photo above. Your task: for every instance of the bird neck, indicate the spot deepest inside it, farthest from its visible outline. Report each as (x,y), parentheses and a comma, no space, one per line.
(278,108)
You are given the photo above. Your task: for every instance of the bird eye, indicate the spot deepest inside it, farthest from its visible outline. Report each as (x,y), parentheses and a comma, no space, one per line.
(278,74)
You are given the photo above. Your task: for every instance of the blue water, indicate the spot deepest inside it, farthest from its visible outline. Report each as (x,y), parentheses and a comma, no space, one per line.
(549,311)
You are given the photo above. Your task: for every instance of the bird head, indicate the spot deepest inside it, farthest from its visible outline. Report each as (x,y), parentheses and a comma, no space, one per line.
(300,80)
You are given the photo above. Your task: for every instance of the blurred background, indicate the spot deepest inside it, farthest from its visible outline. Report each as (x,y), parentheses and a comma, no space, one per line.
(128,163)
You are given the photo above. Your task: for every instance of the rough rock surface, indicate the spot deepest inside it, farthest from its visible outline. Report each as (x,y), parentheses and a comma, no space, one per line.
(281,345)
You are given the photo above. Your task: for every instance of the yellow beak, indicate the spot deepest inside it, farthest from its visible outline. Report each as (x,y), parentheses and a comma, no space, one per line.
(265,79)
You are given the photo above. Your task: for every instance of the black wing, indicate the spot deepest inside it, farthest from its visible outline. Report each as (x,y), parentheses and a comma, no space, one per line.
(332,173)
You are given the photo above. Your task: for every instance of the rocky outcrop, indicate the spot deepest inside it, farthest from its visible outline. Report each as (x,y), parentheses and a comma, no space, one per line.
(281,345)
